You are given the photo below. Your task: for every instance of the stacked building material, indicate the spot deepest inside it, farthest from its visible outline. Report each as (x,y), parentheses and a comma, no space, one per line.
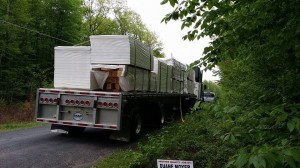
(126,78)
(177,75)
(163,72)
(190,81)
(120,50)
(116,63)
(72,68)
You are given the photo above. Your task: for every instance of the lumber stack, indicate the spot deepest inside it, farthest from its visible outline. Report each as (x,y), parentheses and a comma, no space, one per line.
(120,50)
(118,63)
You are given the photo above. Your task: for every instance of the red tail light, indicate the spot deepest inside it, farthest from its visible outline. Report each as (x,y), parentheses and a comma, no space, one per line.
(42,99)
(87,103)
(55,100)
(109,104)
(99,103)
(67,101)
(116,105)
(77,102)
(82,102)
(46,100)
(72,101)
(51,100)
(104,104)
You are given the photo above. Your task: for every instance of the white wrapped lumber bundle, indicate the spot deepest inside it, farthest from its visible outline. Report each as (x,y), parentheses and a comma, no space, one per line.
(170,88)
(197,90)
(135,79)
(190,86)
(190,75)
(163,72)
(176,64)
(153,82)
(178,68)
(120,50)
(72,68)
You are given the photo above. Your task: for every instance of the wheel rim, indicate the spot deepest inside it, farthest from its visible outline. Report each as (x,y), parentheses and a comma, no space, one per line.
(138,126)
(162,119)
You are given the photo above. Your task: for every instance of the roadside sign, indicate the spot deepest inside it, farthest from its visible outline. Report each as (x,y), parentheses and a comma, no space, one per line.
(174,164)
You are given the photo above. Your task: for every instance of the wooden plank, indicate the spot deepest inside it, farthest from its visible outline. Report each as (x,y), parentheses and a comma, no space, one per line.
(112,80)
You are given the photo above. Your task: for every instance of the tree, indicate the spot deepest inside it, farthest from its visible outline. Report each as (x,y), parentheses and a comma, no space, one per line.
(12,44)
(29,31)
(130,22)
(259,37)
(256,45)
(97,17)
(114,17)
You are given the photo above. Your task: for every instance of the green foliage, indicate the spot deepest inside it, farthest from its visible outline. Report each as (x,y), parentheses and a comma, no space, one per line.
(191,140)
(256,46)
(123,159)
(212,87)
(26,57)
(263,135)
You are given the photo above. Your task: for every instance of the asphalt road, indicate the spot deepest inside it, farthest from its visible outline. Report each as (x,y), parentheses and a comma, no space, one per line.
(38,147)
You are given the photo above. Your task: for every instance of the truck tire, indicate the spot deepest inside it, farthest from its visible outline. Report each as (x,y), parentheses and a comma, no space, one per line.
(136,124)
(161,119)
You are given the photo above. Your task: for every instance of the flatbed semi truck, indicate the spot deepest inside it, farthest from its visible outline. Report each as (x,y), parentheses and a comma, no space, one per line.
(124,113)
(116,85)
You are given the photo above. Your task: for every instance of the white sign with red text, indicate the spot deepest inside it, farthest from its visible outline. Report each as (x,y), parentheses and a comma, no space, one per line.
(174,164)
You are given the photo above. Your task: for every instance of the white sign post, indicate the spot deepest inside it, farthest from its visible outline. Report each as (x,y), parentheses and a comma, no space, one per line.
(174,164)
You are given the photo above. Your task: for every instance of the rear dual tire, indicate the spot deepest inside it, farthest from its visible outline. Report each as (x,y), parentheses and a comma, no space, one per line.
(136,128)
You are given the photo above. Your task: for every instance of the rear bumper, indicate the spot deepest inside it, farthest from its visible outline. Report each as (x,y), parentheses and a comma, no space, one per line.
(78,124)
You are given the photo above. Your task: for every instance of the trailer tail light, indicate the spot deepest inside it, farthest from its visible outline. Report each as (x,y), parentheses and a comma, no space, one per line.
(116,105)
(46,100)
(67,101)
(77,102)
(72,102)
(105,104)
(51,100)
(109,104)
(82,102)
(42,99)
(55,100)
(87,103)
(100,104)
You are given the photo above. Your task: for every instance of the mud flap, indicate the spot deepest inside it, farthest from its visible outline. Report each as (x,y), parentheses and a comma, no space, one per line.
(125,133)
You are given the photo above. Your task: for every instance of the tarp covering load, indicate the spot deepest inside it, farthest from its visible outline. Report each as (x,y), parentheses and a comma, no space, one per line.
(120,50)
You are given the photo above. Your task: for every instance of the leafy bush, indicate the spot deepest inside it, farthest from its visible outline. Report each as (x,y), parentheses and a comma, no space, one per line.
(20,112)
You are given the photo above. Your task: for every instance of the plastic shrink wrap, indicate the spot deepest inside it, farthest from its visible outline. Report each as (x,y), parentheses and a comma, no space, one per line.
(120,50)
(72,68)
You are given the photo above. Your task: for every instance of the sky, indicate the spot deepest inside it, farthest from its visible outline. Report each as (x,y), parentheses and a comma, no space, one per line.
(170,34)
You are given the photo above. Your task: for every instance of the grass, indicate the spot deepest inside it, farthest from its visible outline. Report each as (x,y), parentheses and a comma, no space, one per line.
(13,126)
(192,140)
(17,116)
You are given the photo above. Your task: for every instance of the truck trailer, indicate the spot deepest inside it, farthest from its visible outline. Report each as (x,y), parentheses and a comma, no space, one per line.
(121,96)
